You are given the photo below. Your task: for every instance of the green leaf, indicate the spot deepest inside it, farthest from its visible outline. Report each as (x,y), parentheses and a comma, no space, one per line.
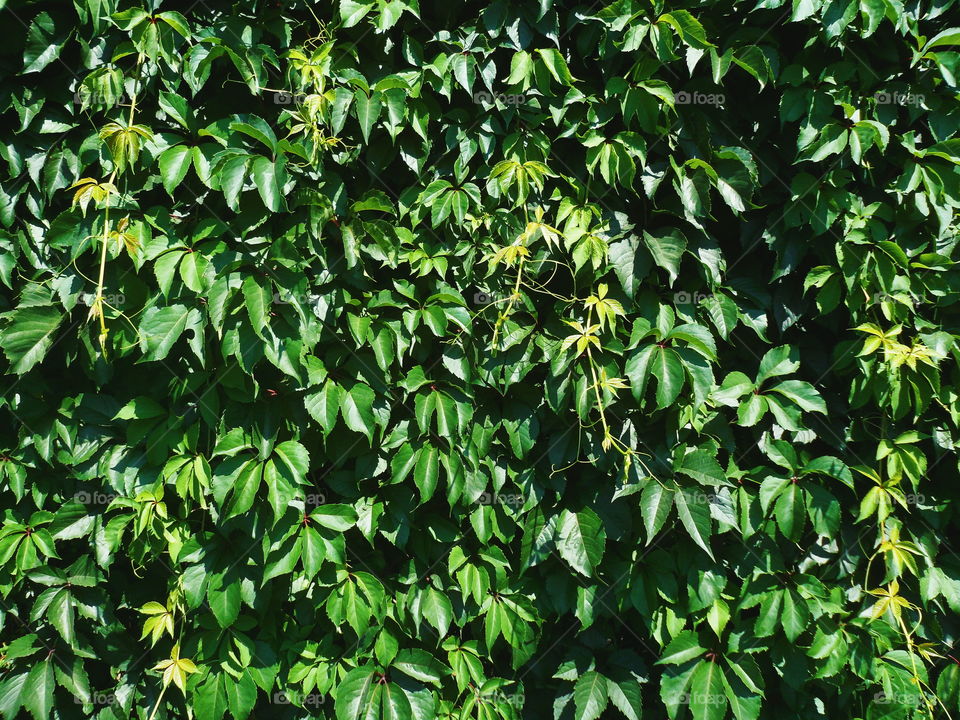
(368,111)
(60,613)
(193,270)
(777,361)
(241,696)
(293,460)
(177,108)
(29,335)
(790,512)
(313,551)
(336,517)
(419,665)
(693,509)
(259,129)
(351,13)
(356,407)
(521,66)
(174,163)
(437,609)
(655,504)
(702,467)
(247,482)
(557,66)
(950,36)
(395,705)
(630,263)
(11,694)
(590,695)
(688,28)
(231,178)
(177,21)
(427,471)
(667,249)
(708,700)
(225,603)
(638,369)
(357,696)
(794,616)
(752,410)
(268,175)
(161,327)
(684,647)
(37,693)
(803,394)
(626,697)
(324,405)
(802,9)
(257,300)
(43,44)
(581,539)
(668,369)
(723,313)
(280,490)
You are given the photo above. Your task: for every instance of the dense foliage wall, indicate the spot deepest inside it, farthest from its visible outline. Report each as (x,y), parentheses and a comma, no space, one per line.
(490,360)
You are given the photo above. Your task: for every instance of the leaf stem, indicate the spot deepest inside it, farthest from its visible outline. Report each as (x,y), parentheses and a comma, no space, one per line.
(159,699)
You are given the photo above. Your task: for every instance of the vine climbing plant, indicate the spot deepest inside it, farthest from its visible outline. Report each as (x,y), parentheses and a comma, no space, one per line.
(421,360)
